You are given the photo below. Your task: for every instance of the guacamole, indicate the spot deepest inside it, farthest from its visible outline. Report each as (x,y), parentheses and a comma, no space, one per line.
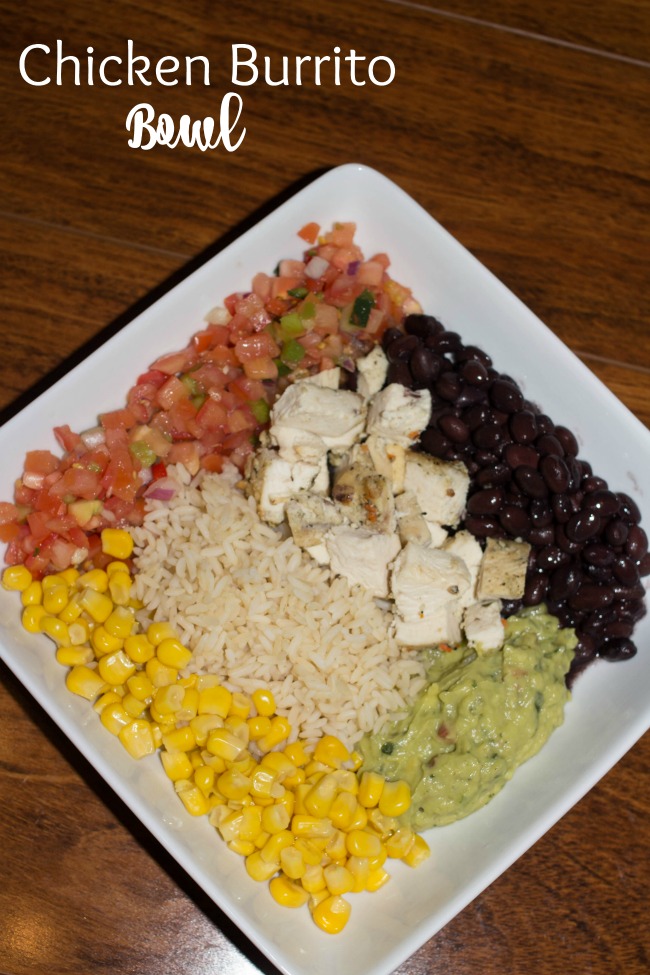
(481,715)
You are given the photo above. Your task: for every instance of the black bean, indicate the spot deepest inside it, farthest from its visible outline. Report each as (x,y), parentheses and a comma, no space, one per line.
(485,458)
(562,508)
(567,439)
(629,510)
(618,629)
(531,482)
(447,386)
(473,352)
(644,565)
(536,587)
(422,326)
(488,436)
(551,557)
(591,483)
(625,570)
(545,424)
(597,553)
(632,609)
(477,415)
(402,348)
(389,336)
(474,372)
(444,342)
(506,396)
(398,372)
(636,545)
(555,473)
(541,514)
(520,455)
(604,502)
(494,475)
(548,444)
(483,526)
(616,533)
(541,536)
(515,520)
(454,429)
(470,395)
(485,502)
(563,540)
(425,365)
(617,649)
(434,442)
(523,426)
(591,596)
(583,525)
(565,580)
(600,573)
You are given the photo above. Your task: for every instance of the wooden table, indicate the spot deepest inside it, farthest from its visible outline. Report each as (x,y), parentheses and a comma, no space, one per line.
(523,129)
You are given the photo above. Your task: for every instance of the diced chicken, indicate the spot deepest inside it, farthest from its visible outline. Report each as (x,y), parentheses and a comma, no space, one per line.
(363,495)
(411,526)
(466,547)
(362,556)
(389,460)
(273,481)
(399,414)
(371,372)
(336,416)
(440,487)
(298,445)
(330,378)
(310,517)
(483,626)
(502,574)
(437,534)
(427,585)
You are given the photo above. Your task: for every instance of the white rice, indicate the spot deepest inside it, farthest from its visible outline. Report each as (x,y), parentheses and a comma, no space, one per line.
(258,611)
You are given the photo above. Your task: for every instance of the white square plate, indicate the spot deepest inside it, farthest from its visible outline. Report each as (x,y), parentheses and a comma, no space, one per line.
(610,709)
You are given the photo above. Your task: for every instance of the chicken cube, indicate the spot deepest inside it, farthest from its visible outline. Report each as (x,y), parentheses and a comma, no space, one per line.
(399,414)
(427,585)
(466,547)
(273,481)
(335,416)
(389,460)
(372,370)
(362,556)
(502,573)
(483,626)
(440,487)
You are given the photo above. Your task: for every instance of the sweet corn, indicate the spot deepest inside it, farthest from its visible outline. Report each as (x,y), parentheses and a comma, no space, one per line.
(240,705)
(31,595)
(275,818)
(133,707)
(139,648)
(108,697)
(204,778)
(418,853)
(72,611)
(117,542)
(359,868)
(177,765)
(119,586)
(332,914)
(103,643)
(395,798)
(370,789)
(160,674)
(168,699)
(189,704)
(72,656)
(233,785)
(191,797)
(360,843)
(287,892)
(264,702)
(376,879)
(313,878)
(56,599)
(97,604)
(215,700)
(343,809)
(85,682)
(115,718)
(79,631)
(172,653)
(141,687)
(95,579)
(157,632)
(258,726)
(16,578)
(295,752)
(318,801)
(275,844)
(180,740)
(32,617)
(116,668)
(292,862)
(277,733)
(260,869)
(56,629)
(120,622)
(338,879)
(399,843)
(251,823)
(224,743)
(331,751)
(117,566)
(202,725)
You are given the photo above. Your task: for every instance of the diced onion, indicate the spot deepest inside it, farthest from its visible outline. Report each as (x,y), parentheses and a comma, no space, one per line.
(93,437)
(316,267)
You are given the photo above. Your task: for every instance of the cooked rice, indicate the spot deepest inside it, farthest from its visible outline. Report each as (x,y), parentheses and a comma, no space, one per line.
(257,610)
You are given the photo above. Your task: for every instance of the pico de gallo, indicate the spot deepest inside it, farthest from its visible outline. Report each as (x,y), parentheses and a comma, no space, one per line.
(204,403)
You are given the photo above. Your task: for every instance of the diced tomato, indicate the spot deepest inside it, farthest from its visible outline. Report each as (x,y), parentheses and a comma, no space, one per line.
(171,392)
(186,454)
(241,419)
(159,469)
(262,368)
(212,415)
(41,461)
(67,438)
(117,420)
(257,346)
(175,362)
(8,512)
(213,462)
(309,232)
(9,532)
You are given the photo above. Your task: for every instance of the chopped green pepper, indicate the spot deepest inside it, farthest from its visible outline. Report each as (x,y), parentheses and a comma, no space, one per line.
(290,326)
(143,452)
(292,351)
(191,385)
(260,410)
(361,309)
(308,310)
(299,292)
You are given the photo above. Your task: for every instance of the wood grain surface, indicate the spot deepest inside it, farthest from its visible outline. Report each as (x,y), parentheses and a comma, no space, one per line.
(522,128)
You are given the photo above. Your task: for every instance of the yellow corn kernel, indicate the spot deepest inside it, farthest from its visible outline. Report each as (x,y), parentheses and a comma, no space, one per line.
(318,801)
(313,879)
(395,798)
(140,686)
(180,740)
(359,867)
(275,844)
(383,826)
(356,761)
(56,629)
(316,770)
(114,717)
(292,863)
(359,818)
(240,705)
(172,653)
(262,838)
(196,758)
(119,586)
(202,725)
(165,721)
(103,643)
(215,700)
(116,668)
(71,656)
(251,823)
(16,578)
(189,704)
(295,752)
(214,761)
(177,765)
(32,595)
(243,847)
(336,848)
(117,566)
(95,579)
(330,751)
(108,697)
(275,818)
(157,632)
(168,699)
(133,707)
(360,843)
(85,682)
(79,631)
(229,825)
(418,853)
(97,604)
(376,879)
(233,785)
(56,599)
(287,892)
(342,810)
(371,787)
(117,542)
(264,702)
(378,861)
(120,622)
(259,869)
(278,732)
(53,579)
(32,617)
(224,743)
(338,878)
(288,801)
(278,762)
(258,726)
(192,798)
(204,779)
(239,727)
(139,648)
(400,842)
(160,674)
(311,853)
(72,611)
(300,792)
(331,914)
(218,813)
(311,827)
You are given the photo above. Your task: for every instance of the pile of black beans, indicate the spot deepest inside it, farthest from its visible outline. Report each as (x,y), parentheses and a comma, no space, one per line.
(588,550)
